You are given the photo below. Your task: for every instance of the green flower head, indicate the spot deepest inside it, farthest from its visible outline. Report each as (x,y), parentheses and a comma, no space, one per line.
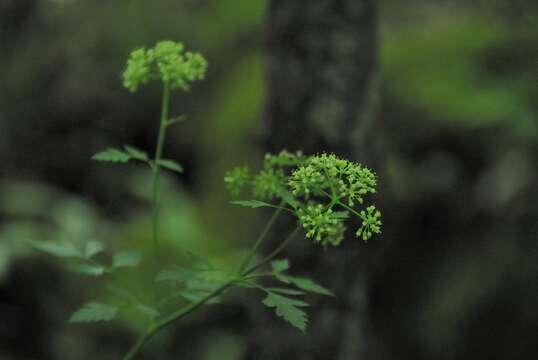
(321,224)
(166,62)
(236,180)
(371,223)
(323,191)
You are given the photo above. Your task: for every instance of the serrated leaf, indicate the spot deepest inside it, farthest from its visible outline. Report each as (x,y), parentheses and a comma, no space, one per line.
(288,309)
(177,274)
(304,284)
(252,203)
(61,250)
(93,248)
(112,155)
(148,311)
(170,165)
(135,153)
(87,269)
(280,265)
(94,312)
(126,259)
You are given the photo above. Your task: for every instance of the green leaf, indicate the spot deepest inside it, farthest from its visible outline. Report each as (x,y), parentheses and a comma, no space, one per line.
(61,250)
(280,265)
(170,165)
(288,309)
(148,311)
(304,284)
(88,269)
(127,258)
(112,155)
(135,153)
(252,203)
(94,312)
(93,248)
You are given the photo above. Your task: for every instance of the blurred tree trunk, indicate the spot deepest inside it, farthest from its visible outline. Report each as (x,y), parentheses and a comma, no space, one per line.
(323,96)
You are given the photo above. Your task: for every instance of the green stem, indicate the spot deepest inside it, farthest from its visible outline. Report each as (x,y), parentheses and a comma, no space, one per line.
(259,240)
(349,208)
(184,311)
(180,313)
(155,168)
(274,253)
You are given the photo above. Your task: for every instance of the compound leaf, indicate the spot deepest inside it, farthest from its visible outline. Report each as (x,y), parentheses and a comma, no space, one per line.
(94,312)
(288,309)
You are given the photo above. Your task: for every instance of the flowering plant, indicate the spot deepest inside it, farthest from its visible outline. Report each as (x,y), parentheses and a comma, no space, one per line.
(323,192)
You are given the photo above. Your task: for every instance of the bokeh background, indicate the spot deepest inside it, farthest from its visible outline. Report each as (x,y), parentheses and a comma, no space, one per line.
(459,108)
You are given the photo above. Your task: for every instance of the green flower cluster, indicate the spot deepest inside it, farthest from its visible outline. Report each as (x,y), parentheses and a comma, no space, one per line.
(322,224)
(321,190)
(327,174)
(370,223)
(167,62)
(236,180)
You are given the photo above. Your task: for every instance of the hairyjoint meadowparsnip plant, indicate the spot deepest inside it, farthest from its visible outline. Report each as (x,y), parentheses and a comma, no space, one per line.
(323,192)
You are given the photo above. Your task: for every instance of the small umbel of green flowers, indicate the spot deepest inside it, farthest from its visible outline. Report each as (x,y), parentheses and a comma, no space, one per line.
(326,174)
(236,179)
(322,225)
(371,223)
(322,191)
(167,62)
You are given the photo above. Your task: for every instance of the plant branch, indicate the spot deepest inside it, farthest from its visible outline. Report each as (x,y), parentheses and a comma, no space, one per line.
(259,241)
(156,172)
(274,253)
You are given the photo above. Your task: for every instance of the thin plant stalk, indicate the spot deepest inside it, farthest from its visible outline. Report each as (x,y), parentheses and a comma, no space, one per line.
(259,240)
(156,168)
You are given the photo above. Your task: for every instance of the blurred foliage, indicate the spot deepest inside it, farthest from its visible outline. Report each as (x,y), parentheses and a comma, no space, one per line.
(461,70)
